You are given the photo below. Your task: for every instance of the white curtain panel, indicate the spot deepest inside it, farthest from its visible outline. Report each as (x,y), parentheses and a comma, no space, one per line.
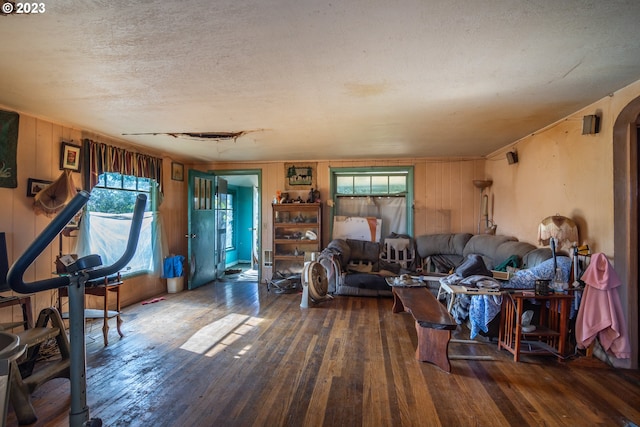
(391,210)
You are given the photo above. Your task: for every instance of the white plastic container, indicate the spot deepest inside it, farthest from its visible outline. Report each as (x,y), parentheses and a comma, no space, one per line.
(175,284)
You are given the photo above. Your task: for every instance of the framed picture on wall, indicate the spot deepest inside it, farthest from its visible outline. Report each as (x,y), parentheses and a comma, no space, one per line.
(70,157)
(34,186)
(177,171)
(300,176)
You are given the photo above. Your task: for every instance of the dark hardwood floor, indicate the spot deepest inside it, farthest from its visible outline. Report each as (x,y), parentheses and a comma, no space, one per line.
(233,354)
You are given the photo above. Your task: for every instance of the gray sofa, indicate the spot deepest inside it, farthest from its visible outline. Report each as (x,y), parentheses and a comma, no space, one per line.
(439,253)
(443,252)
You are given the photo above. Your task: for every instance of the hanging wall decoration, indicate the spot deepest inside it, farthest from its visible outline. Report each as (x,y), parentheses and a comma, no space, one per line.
(8,149)
(70,157)
(300,176)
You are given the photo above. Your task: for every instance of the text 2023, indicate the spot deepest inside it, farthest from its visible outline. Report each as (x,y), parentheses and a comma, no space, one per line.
(30,8)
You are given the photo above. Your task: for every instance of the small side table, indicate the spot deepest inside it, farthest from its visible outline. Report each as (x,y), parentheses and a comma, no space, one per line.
(108,285)
(550,334)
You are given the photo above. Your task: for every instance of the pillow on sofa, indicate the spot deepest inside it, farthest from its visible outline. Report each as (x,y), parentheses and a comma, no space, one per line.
(487,245)
(473,265)
(362,250)
(536,257)
(512,248)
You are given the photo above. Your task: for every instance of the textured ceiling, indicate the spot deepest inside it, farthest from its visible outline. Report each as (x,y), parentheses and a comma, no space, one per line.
(317,79)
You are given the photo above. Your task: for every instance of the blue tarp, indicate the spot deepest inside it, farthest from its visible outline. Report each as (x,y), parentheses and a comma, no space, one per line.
(173,266)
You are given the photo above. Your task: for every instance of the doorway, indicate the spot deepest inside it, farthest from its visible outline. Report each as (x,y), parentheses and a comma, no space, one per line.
(244,231)
(626,167)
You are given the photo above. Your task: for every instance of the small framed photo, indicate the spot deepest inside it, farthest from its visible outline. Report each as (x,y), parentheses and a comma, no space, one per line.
(177,171)
(70,157)
(34,186)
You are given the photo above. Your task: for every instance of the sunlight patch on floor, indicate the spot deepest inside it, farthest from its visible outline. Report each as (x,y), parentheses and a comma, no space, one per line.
(220,334)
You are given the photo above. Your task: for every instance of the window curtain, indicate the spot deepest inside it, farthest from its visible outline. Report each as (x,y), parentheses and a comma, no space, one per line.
(105,230)
(392,211)
(106,158)
(109,235)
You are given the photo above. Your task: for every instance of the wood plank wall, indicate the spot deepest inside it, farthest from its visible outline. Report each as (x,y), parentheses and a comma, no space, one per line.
(445,198)
(39,157)
(445,201)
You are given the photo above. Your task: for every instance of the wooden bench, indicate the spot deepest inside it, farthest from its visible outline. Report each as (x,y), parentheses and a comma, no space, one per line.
(433,324)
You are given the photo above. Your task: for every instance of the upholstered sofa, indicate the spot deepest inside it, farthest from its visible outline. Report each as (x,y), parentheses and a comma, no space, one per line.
(355,267)
(443,252)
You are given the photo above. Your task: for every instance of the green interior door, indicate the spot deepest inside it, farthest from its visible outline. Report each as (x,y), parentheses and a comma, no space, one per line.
(202,229)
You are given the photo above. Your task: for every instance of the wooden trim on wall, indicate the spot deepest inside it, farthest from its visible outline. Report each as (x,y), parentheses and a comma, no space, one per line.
(625,195)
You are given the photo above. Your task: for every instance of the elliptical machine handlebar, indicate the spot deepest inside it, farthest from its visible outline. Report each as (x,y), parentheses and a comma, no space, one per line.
(15,276)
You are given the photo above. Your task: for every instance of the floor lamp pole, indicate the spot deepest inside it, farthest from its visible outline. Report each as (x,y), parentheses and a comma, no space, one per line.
(484,201)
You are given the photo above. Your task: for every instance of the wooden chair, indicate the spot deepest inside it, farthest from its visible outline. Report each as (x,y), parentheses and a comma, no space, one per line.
(398,251)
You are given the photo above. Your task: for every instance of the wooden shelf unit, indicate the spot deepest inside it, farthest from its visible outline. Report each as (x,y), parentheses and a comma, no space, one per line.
(294,227)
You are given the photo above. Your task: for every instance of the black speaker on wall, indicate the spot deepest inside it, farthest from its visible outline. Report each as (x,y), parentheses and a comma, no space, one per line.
(512,157)
(590,124)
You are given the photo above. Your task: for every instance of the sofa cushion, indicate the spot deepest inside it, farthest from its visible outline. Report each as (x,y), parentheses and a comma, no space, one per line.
(362,250)
(442,244)
(360,267)
(366,281)
(511,248)
(487,246)
(536,257)
(473,265)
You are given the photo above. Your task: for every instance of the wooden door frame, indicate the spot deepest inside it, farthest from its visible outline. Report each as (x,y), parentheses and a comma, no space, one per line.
(625,202)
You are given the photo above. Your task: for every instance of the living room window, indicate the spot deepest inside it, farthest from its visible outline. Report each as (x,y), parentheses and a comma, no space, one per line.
(106,222)
(385,193)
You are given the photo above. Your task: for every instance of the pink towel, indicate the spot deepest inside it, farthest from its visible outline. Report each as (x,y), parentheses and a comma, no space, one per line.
(600,312)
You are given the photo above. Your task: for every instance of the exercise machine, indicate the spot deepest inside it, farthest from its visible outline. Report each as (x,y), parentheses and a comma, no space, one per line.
(79,273)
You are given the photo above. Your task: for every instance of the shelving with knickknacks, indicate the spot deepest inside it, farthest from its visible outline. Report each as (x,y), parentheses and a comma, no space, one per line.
(297,230)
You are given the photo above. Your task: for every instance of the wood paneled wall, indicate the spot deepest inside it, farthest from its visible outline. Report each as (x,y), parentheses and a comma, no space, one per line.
(445,201)
(445,198)
(39,157)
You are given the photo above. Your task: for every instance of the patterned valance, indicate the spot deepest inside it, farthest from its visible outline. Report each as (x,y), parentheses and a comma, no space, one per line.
(106,158)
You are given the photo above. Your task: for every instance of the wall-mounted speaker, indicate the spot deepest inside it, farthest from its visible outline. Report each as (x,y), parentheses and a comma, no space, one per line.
(590,124)
(512,157)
